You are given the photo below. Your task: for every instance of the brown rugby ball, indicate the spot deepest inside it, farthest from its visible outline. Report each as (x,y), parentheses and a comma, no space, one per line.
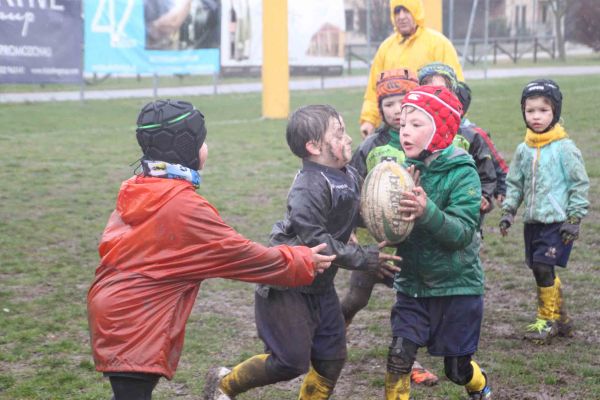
(381,193)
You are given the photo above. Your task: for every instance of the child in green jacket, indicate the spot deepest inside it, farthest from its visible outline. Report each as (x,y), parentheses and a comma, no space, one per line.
(383,145)
(439,300)
(547,174)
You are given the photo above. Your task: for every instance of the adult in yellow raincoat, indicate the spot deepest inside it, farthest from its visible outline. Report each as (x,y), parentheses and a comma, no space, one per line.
(411,46)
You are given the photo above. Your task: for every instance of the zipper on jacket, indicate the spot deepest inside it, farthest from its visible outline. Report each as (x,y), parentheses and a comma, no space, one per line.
(533,171)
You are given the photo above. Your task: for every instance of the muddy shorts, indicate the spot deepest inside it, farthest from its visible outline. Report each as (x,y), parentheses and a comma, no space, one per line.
(448,326)
(297,327)
(543,245)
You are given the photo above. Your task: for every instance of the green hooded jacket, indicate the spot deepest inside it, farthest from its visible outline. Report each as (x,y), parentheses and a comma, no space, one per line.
(441,255)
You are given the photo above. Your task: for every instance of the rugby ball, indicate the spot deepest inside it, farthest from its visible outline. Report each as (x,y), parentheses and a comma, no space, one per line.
(381,193)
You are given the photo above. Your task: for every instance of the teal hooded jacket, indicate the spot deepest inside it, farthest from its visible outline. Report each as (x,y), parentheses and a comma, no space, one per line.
(441,255)
(552,182)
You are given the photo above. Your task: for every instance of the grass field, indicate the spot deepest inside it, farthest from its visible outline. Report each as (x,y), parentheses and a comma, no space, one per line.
(63,164)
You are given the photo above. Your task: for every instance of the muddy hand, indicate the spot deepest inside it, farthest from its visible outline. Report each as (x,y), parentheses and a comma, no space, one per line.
(506,222)
(366,128)
(387,266)
(500,199)
(485,205)
(353,239)
(322,262)
(385,243)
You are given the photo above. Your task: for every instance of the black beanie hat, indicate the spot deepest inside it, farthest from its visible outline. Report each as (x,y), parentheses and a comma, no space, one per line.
(171,131)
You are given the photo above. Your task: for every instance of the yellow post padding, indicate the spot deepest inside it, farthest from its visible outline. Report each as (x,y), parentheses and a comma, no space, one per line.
(315,386)
(243,376)
(397,387)
(433,14)
(477,382)
(275,67)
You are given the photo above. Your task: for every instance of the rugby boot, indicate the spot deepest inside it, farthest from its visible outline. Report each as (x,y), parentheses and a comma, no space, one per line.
(485,394)
(542,331)
(245,376)
(212,390)
(315,386)
(421,376)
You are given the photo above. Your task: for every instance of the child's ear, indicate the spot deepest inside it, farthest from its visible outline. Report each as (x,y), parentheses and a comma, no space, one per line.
(313,148)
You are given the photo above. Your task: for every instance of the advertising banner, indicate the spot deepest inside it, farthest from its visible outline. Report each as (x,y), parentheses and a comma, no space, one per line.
(316,35)
(161,37)
(41,41)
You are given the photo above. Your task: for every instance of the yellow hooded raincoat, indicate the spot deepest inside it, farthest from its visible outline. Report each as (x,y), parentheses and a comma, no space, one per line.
(423,47)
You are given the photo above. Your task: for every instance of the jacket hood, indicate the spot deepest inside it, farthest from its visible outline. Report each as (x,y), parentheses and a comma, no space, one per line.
(141,196)
(448,159)
(414,6)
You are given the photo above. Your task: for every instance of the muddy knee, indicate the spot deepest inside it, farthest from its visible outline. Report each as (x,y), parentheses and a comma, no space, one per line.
(458,369)
(401,356)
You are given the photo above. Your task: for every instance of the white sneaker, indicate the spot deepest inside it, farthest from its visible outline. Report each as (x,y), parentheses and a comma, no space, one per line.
(211,384)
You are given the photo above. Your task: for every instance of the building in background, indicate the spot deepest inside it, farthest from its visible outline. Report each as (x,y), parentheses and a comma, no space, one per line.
(529,17)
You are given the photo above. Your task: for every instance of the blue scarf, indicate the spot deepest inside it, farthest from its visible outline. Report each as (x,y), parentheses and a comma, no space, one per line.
(162,169)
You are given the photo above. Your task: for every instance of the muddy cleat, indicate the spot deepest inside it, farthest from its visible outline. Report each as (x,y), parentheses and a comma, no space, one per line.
(565,328)
(421,376)
(212,391)
(483,394)
(542,331)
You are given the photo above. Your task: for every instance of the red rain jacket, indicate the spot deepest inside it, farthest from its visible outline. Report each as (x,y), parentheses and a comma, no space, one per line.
(160,243)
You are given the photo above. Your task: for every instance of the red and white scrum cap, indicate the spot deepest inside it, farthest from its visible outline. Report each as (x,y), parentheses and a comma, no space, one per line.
(444,109)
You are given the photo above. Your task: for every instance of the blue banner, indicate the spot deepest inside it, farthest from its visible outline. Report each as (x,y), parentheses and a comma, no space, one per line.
(161,37)
(40,41)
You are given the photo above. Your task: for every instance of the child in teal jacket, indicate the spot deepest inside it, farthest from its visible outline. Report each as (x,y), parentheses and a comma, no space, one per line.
(548,175)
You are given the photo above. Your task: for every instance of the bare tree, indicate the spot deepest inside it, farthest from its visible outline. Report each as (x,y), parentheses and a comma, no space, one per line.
(381,25)
(559,9)
(585,29)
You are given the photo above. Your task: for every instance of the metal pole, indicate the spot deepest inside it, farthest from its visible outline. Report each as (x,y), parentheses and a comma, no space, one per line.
(155,86)
(451,21)
(468,38)
(81,90)
(215,81)
(82,82)
(369,30)
(486,22)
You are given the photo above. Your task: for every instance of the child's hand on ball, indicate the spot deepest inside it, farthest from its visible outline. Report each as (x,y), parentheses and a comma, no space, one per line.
(413,204)
(415,174)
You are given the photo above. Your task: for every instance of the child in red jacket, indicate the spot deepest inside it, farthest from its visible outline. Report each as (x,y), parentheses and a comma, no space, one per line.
(160,243)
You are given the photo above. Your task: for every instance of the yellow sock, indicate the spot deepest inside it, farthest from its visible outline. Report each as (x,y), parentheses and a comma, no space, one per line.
(397,387)
(477,382)
(558,300)
(315,386)
(547,299)
(244,376)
